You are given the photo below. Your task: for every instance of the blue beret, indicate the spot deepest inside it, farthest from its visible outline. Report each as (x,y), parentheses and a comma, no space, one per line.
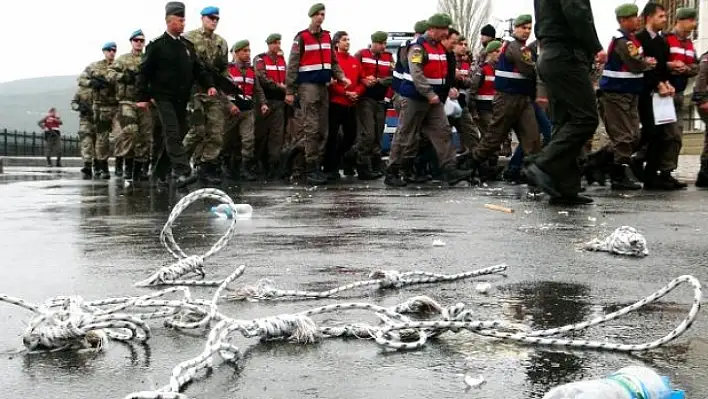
(109,46)
(137,33)
(210,11)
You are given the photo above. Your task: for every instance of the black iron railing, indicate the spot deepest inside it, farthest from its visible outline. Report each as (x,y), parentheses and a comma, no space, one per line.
(30,144)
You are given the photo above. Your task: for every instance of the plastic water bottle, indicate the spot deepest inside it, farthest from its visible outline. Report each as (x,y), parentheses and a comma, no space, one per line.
(628,383)
(238,211)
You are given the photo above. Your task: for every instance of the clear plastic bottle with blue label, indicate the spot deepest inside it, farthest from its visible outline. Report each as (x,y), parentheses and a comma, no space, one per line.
(227,211)
(633,382)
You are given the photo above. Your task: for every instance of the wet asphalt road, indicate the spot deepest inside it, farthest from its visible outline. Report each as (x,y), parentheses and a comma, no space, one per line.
(63,236)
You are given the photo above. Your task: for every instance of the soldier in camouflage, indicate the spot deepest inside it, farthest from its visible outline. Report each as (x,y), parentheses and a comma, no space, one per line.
(105,106)
(135,124)
(205,137)
(81,103)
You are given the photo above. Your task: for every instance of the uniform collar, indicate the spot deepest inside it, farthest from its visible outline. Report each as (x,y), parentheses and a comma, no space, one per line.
(168,34)
(678,34)
(241,64)
(519,40)
(314,29)
(205,33)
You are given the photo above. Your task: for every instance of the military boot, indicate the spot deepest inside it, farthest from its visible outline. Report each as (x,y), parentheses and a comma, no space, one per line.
(105,172)
(49,162)
(597,165)
(247,171)
(452,175)
(96,168)
(623,179)
(129,168)
(119,167)
(314,175)
(349,164)
(86,172)
(58,164)
(393,176)
(664,182)
(702,178)
(420,171)
(377,166)
(364,170)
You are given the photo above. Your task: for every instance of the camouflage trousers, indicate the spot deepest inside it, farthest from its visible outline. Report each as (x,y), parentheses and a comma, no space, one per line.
(104,118)
(240,139)
(134,136)
(312,120)
(205,136)
(87,137)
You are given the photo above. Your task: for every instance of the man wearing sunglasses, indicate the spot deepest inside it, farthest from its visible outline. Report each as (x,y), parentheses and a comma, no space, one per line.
(95,147)
(133,139)
(204,139)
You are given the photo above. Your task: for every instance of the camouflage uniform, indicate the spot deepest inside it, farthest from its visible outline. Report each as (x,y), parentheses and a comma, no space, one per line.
(82,104)
(134,135)
(105,106)
(205,137)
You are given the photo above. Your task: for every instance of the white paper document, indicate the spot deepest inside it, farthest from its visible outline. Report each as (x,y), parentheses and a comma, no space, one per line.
(664,111)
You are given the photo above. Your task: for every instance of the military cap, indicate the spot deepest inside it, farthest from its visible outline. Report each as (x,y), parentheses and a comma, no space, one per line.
(494,45)
(626,10)
(211,10)
(439,20)
(315,9)
(686,13)
(379,37)
(239,45)
(420,27)
(174,8)
(523,19)
(137,33)
(488,30)
(273,37)
(109,46)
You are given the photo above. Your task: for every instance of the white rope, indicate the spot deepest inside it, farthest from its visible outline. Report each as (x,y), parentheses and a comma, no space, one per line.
(624,240)
(189,264)
(397,331)
(70,323)
(265,289)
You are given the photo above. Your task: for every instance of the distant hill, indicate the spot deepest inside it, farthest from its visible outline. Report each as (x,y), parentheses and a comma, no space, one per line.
(24,102)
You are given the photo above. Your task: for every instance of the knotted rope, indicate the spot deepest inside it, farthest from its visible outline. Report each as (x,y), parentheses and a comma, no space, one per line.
(189,264)
(265,289)
(624,240)
(397,331)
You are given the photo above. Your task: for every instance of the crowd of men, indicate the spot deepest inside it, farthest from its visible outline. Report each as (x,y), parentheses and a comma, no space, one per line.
(181,111)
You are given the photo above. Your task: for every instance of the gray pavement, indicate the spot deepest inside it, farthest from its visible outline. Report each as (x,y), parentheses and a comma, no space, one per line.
(63,236)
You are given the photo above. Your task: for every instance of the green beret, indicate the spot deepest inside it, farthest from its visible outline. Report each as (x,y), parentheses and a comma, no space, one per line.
(686,13)
(239,45)
(379,37)
(494,45)
(626,10)
(523,19)
(439,20)
(315,9)
(420,27)
(273,37)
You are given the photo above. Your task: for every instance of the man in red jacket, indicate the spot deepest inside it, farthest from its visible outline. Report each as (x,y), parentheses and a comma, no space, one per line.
(342,111)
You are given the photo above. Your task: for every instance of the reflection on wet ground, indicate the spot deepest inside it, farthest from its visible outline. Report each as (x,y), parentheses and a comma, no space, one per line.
(62,236)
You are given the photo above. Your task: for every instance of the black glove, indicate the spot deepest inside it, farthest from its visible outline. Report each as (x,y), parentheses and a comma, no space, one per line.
(85,109)
(128,77)
(98,83)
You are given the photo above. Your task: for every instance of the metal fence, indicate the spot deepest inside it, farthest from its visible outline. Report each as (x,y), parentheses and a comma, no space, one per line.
(30,144)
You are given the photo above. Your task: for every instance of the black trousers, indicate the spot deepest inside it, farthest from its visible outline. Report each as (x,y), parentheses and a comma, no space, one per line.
(566,74)
(173,120)
(344,117)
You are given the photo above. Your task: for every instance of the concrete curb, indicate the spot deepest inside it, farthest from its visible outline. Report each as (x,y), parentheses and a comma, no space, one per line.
(40,162)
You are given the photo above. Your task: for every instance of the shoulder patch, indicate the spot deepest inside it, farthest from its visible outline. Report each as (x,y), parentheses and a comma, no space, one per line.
(526,54)
(633,50)
(416,55)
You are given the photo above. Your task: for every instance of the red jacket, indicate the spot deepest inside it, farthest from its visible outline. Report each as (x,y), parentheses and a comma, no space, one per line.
(352,70)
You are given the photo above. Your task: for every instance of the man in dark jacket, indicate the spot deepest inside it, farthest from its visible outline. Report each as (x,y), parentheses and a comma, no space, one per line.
(167,73)
(568,45)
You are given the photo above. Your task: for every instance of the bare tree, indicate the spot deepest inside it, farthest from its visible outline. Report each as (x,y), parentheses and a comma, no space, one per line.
(468,16)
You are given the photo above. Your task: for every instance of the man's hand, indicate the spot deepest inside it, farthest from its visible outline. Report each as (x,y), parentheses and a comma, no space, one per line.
(704,106)
(601,57)
(351,95)
(459,74)
(434,99)
(663,90)
(672,89)
(676,65)
(290,99)
(264,109)
(369,81)
(453,93)
(233,110)
(345,81)
(211,92)
(542,101)
(651,61)
(281,86)
(143,104)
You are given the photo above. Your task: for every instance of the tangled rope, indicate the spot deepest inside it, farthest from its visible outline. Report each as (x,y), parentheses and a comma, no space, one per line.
(624,240)
(265,289)
(71,323)
(189,264)
(397,331)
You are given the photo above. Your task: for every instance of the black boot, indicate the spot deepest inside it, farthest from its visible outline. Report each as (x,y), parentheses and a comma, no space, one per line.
(702,178)
(129,168)
(314,175)
(597,165)
(637,167)
(119,167)
(349,163)
(377,166)
(58,164)
(364,170)
(96,168)
(393,176)
(665,182)
(247,172)
(49,162)
(623,179)
(105,173)
(452,175)
(333,175)
(136,174)
(86,172)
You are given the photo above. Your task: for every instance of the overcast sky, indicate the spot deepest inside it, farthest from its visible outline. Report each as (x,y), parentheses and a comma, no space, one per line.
(48,38)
